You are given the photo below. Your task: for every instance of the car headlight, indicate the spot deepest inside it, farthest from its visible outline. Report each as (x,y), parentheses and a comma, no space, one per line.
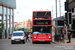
(49,37)
(35,37)
(23,38)
(12,38)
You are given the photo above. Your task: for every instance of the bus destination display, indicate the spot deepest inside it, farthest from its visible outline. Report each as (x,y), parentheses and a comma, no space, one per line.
(42,22)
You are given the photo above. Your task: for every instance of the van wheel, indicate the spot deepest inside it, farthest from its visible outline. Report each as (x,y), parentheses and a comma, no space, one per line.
(12,42)
(23,42)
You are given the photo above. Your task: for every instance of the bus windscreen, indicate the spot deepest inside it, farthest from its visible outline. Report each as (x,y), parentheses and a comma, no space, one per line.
(43,29)
(39,15)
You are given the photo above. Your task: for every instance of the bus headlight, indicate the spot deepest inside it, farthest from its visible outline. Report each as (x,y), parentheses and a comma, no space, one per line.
(49,37)
(35,37)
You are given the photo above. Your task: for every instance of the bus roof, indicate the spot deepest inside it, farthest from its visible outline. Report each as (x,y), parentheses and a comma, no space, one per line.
(42,11)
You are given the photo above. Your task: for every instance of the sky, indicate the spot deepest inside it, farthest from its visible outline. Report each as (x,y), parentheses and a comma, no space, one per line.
(24,8)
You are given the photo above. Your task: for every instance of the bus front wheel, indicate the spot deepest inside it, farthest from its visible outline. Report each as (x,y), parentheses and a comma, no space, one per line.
(49,42)
(33,42)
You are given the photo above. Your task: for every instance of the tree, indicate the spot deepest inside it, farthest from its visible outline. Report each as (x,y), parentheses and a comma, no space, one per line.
(1,26)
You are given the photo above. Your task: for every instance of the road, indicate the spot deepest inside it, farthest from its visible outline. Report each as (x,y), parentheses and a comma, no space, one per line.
(5,44)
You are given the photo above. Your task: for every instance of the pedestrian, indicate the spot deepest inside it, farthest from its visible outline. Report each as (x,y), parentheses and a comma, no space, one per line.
(27,37)
(69,37)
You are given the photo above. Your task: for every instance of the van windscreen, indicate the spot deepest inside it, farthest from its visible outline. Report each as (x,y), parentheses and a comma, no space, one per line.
(17,34)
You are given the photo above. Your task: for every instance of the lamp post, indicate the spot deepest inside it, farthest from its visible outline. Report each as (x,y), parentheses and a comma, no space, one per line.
(16,13)
(56,18)
(12,20)
(60,7)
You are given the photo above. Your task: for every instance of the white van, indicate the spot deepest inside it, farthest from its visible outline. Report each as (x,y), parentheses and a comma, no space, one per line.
(18,36)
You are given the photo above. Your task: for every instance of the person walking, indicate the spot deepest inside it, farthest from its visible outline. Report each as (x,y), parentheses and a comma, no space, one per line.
(27,37)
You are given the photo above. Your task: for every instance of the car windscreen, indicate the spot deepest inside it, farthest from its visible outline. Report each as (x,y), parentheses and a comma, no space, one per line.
(18,34)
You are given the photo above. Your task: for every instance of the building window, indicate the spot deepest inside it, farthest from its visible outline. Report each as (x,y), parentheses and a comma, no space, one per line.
(0,9)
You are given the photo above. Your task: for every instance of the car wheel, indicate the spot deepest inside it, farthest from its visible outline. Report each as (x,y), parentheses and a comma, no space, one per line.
(12,42)
(23,42)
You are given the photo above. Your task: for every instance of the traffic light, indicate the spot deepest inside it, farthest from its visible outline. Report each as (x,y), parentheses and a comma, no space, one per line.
(73,27)
(70,17)
(66,19)
(66,6)
(72,10)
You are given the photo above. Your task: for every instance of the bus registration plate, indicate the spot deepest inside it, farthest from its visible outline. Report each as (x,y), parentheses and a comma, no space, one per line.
(41,40)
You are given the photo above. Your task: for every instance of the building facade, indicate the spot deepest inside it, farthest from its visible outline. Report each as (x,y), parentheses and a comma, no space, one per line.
(71,8)
(25,24)
(21,25)
(71,3)
(7,13)
(15,25)
(29,24)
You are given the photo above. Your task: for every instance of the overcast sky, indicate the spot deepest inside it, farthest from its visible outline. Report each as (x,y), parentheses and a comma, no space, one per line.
(24,8)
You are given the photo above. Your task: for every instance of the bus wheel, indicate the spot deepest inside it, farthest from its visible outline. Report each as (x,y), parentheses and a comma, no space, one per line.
(33,42)
(49,42)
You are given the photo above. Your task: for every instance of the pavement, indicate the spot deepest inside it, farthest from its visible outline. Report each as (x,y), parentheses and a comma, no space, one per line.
(72,42)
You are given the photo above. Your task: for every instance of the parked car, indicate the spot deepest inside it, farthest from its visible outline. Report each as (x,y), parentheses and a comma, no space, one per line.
(18,36)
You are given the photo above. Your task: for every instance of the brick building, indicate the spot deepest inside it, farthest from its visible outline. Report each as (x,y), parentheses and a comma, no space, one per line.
(29,24)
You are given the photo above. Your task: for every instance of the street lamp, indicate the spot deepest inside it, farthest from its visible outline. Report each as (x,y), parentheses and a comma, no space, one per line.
(56,18)
(16,13)
(60,7)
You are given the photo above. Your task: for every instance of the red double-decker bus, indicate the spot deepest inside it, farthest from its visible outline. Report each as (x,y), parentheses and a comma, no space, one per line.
(42,26)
